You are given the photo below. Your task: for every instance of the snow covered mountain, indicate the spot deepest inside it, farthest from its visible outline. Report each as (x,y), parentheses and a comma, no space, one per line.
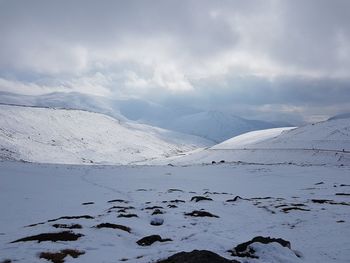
(321,143)
(216,126)
(49,135)
(65,100)
(213,125)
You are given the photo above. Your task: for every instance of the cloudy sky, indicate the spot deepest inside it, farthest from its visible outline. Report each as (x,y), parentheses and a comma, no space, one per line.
(255,58)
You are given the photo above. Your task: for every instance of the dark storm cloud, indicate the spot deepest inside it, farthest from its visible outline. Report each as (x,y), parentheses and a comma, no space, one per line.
(253,55)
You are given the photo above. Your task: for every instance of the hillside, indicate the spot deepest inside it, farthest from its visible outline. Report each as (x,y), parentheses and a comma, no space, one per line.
(48,135)
(321,143)
(216,126)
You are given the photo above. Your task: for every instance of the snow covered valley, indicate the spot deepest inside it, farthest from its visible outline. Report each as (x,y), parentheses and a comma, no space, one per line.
(77,186)
(101,213)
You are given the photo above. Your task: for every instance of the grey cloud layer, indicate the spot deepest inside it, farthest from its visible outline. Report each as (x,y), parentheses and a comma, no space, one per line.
(252,53)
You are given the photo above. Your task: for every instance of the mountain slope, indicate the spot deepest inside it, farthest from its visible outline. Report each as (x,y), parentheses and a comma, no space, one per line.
(213,125)
(72,136)
(323,143)
(216,126)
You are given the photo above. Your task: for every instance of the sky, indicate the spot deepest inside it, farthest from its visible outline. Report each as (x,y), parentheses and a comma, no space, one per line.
(263,59)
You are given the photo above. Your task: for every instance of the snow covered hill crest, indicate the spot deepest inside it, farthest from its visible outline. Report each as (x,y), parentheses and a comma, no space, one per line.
(47,135)
(320,143)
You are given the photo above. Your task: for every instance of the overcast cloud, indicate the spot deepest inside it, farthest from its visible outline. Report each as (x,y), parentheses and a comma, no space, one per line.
(287,59)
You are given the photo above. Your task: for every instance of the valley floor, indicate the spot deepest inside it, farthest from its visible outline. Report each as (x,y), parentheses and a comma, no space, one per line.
(306,205)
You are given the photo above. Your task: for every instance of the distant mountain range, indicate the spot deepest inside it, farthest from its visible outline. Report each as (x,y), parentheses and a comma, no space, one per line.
(215,126)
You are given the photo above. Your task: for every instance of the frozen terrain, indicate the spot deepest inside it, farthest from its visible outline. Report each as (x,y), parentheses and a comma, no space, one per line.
(216,126)
(290,184)
(323,143)
(308,206)
(47,135)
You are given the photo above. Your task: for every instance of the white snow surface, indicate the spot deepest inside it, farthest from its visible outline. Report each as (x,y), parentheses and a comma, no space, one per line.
(251,138)
(323,143)
(47,135)
(35,193)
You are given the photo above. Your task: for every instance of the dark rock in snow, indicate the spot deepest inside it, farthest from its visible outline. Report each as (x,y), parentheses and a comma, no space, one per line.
(177,201)
(157,221)
(234,199)
(127,215)
(88,203)
(117,201)
(153,207)
(200,198)
(149,240)
(320,201)
(319,183)
(244,249)
(60,236)
(71,217)
(197,256)
(157,212)
(71,226)
(287,209)
(114,226)
(197,213)
(58,257)
(171,190)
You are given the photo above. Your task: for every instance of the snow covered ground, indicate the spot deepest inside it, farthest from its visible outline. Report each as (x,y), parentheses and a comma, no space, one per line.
(284,183)
(306,205)
(323,143)
(47,135)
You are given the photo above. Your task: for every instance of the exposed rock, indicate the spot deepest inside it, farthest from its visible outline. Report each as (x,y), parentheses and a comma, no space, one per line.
(197,213)
(119,207)
(157,221)
(127,215)
(200,198)
(58,257)
(62,217)
(60,236)
(287,209)
(71,217)
(244,249)
(344,194)
(71,226)
(174,190)
(197,256)
(88,203)
(157,212)
(114,226)
(234,199)
(153,207)
(117,201)
(320,201)
(177,201)
(149,240)
(331,202)
(319,183)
